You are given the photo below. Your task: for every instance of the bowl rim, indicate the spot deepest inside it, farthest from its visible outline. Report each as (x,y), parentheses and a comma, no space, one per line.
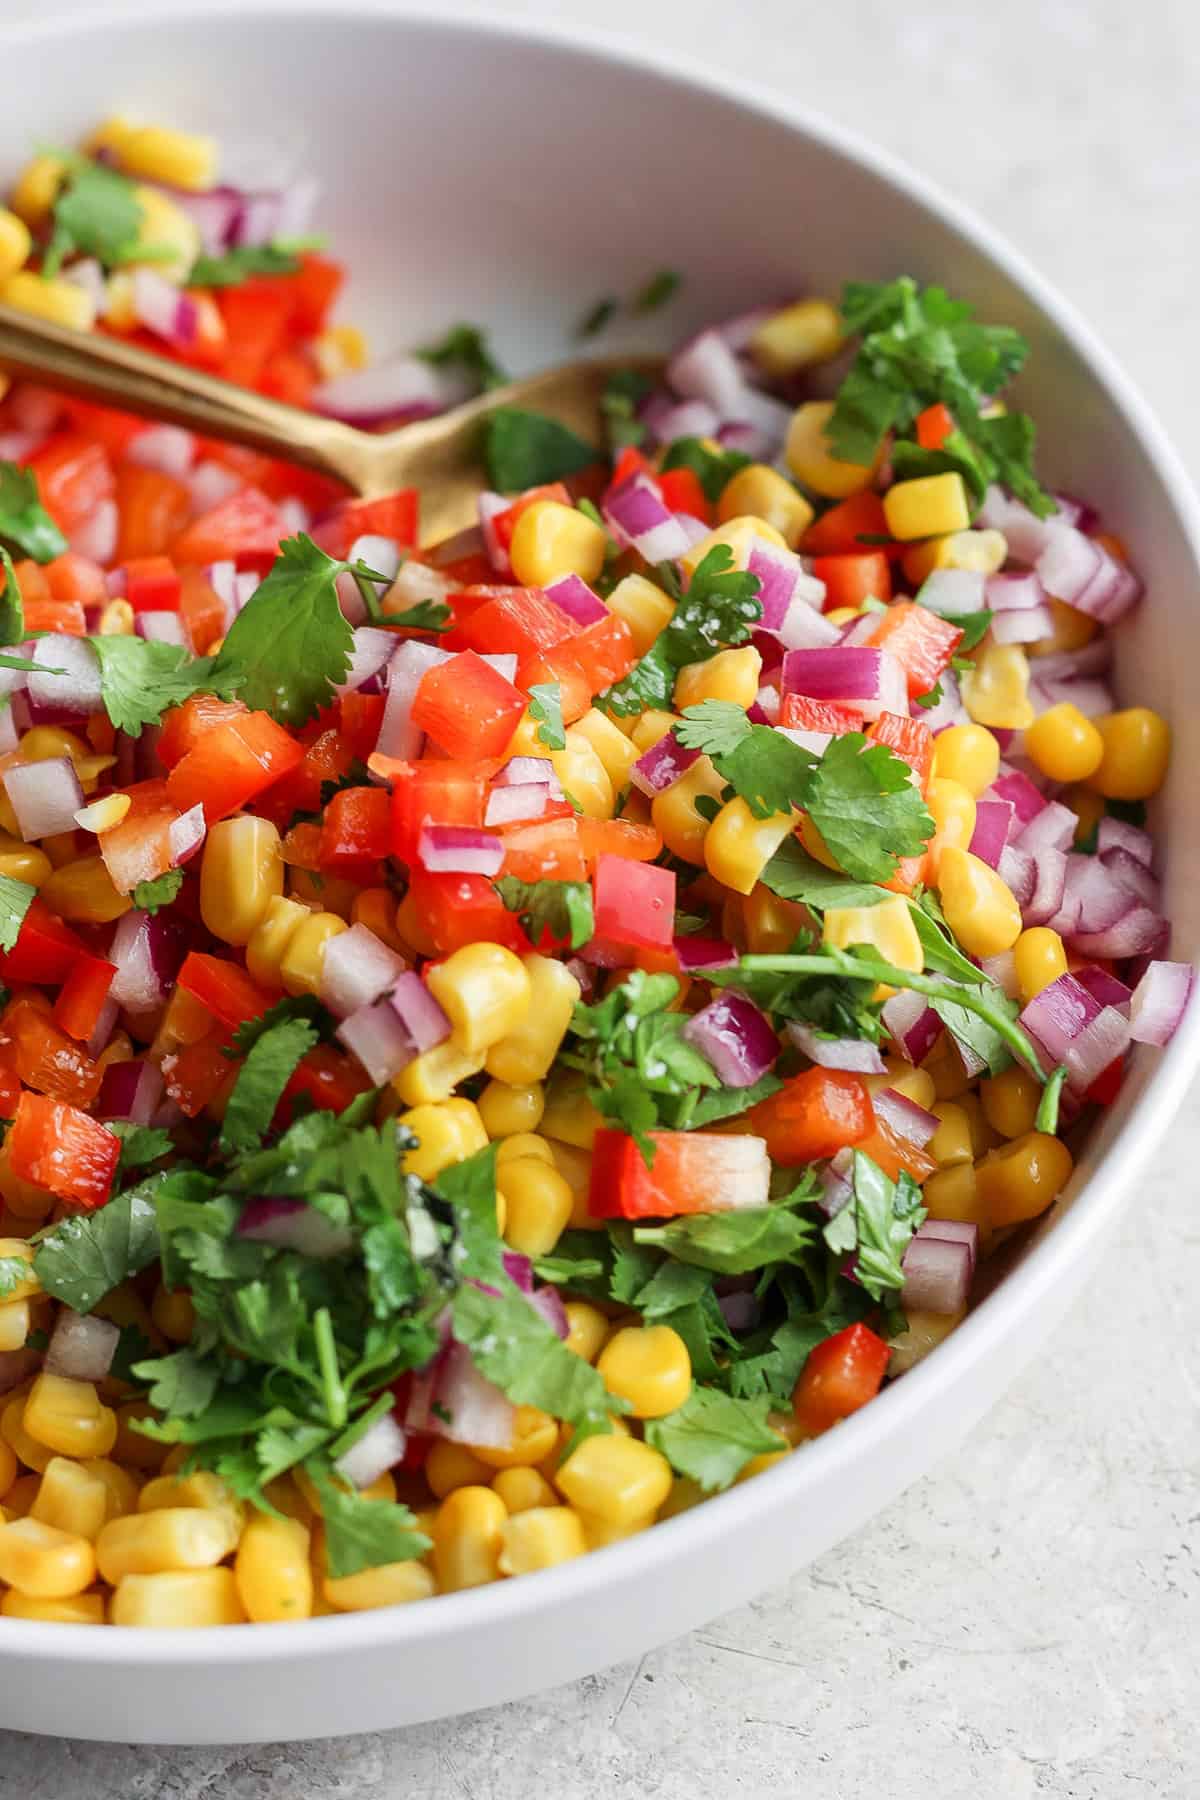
(984,1330)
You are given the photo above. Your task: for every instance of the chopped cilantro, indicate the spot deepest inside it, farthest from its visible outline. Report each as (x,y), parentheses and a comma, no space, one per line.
(96,213)
(795,875)
(713,467)
(712,1436)
(623,393)
(561,908)
(140,1144)
(516,1348)
(932,696)
(597,317)
(545,705)
(141,680)
(269,1066)
(13,1271)
(885,1215)
(149,896)
(733,1243)
(641,1071)
(465,347)
(361,1533)
(85,1257)
(25,525)
(233,267)
(292,1006)
(424,615)
(527,449)
(661,287)
(16,897)
(718,610)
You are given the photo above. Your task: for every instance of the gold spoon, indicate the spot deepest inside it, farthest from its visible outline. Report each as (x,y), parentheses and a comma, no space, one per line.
(440,456)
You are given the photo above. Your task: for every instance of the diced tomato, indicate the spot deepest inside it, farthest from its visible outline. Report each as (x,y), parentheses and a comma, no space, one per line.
(361,721)
(66,616)
(841,1375)
(233,763)
(245,527)
(1107,1084)
(60,1148)
(921,641)
(851,579)
(635,903)
(76,580)
(814,1115)
(463,909)
(683,492)
(618,837)
(152,584)
(184,726)
(934,426)
(82,997)
(800,713)
(328,1078)
(46,950)
(223,987)
(467,707)
(46,1058)
(523,621)
(73,476)
(434,793)
(391,516)
(505,523)
(356,833)
(196,1074)
(909,739)
(551,851)
(691,1172)
(152,508)
(894,1153)
(849,527)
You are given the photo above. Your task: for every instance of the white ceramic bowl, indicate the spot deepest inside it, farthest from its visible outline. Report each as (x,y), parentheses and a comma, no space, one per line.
(507,175)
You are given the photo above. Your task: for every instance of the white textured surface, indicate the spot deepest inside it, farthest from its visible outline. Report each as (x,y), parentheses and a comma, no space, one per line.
(1024,1622)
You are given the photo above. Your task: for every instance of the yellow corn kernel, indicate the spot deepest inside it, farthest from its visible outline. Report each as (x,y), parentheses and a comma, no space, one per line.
(103,815)
(599,1533)
(376,909)
(770,922)
(76,1609)
(522,1143)
(449,1466)
(924,1331)
(1063,744)
(969,755)
(952,808)
(979,906)
(273,1570)
(575,1167)
(485,992)
(807,332)
(738,846)
(28,1286)
(534,1437)
(120,311)
(981,552)
(617,753)
(322,893)
(24,862)
(1072,630)
(37,187)
(304,954)
(1039,958)
(729,675)
(8,1466)
(551,540)
(165,226)
(540,1538)
(68,1416)
(23,1198)
(447,1132)
(569,1114)
(44,741)
(537,1204)
(83,892)
(201,1489)
(20,1497)
(644,607)
(763,493)
(996,691)
(887,928)
(436,1073)
(983,1138)
(509,1111)
(930,506)
(650,1367)
(170,1537)
(339,349)
(59,848)
(684,1495)
(14,1324)
(173,1313)
(120,1486)
(177,1598)
(651,728)
(809,457)
(739,536)
(72,1498)
(1021,1179)
(525,1051)
(133,1447)
(270,939)
(1088,807)
(949,1193)
(44,1562)
(241,872)
(15,243)
(389,1584)
(916,1085)
(523,1489)
(616,1479)
(467,1538)
(1010,1101)
(587,1329)
(1137,749)
(583,774)
(950,1144)
(62,302)
(177,158)
(682,828)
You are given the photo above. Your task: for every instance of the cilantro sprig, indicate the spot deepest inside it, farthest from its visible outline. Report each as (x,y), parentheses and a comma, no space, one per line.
(232,267)
(25,525)
(561,909)
(718,610)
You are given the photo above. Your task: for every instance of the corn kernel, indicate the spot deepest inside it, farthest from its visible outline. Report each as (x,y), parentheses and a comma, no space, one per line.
(951,1142)
(587,1329)
(683,830)
(887,928)
(729,675)
(44,1562)
(569,1113)
(273,1571)
(615,750)
(952,809)
(449,1466)
(1022,1178)
(979,906)
(507,1111)
(652,727)
(551,540)
(811,460)
(1072,630)
(179,159)
(484,991)
(15,243)
(644,607)
(525,1051)
(304,954)
(980,552)
(447,1132)
(467,1538)
(76,1609)
(617,1479)
(83,892)
(1137,749)
(521,1489)
(37,187)
(170,1537)
(1063,744)
(173,1313)
(177,1598)
(969,755)
(807,332)
(60,301)
(71,1497)
(389,1584)
(924,1332)
(436,1073)
(739,536)
(103,815)
(241,872)
(540,1538)
(738,845)
(949,1193)
(68,1416)
(120,1486)
(523,1143)
(996,690)
(648,1366)
(1010,1101)
(930,506)
(763,493)
(1039,959)
(583,774)
(270,939)
(537,1203)
(534,1437)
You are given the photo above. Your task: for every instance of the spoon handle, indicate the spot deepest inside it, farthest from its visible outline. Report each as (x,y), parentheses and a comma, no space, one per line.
(94,366)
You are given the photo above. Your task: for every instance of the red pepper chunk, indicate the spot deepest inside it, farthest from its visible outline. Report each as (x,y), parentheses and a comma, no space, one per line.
(690,1172)
(355,833)
(798,712)
(683,492)
(848,527)
(152,584)
(391,516)
(223,987)
(467,707)
(934,426)
(246,527)
(434,793)
(635,903)
(82,997)
(921,641)
(814,1115)
(60,1148)
(909,739)
(232,764)
(453,910)
(851,579)
(523,621)
(841,1375)
(45,951)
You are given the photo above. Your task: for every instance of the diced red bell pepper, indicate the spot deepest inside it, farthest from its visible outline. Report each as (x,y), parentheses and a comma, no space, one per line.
(691,1172)
(184,726)
(10,1090)
(76,580)
(361,717)
(203,612)
(327,758)
(683,492)
(256,314)
(909,739)
(152,584)
(301,848)
(196,1074)
(618,837)
(139,848)
(233,763)
(434,793)
(73,477)
(849,527)
(152,510)
(921,641)
(289,375)
(841,1375)
(635,903)
(523,621)
(83,996)
(934,426)
(851,579)
(245,527)
(312,290)
(910,872)
(505,523)
(814,1115)
(66,616)
(604,651)
(46,950)
(224,987)
(60,1148)
(356,834)
(630,462)
(328,1078)
(115,430)
(391,516)
(550,850)
(467,707)
(799,713)
(894,1153)
(463,909)
(46,1058)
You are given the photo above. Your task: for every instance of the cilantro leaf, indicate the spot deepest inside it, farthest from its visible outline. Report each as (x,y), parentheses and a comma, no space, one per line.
(1047,1112)
(27,526)
(597,316)
(545,705)
(149,896)
(13,1271)
(469,1188)
(712,1436)
(563,1268)
(662,286)
(141,680)
(423,615)
(714,468)
(140,1144)
(97,213)
(561,908)
(732,1243)
(636,1060)
(16,897)
(527,449)
(181,1384)
(234,266)
(290,645)
(623,393)
(941,952)
(795,875)
(515,1348)
(12,609)
(979,1035)
(84,1258)
(261,1080)
(465,347)
(292,1006)
(362,1533)
(718,609)
(715,727)
(886,1213)
(716,1104)
(862,801)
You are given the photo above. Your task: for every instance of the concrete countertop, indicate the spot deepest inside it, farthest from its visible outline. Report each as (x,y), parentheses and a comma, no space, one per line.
(1024,1621)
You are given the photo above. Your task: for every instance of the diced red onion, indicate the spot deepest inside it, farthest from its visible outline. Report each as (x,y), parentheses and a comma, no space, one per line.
(666,419)
(1053,828)
(815,742)
(517,803)
(1132,875)
(168,448)
(88,275)
(463,1406)
(165,309)
(765,710)
(291,1224)
(548,1302)
(740,1310)
(805,627)
(698,953)
(398,736)
(1071,665)
(857,1055)
(871,678)
(635,512)
(1025,534)
(82,1346)
(161,628)
(1068,561)
(904,1117)
(1026,799)
(379,1038)
(358,968)
(1018,870)
(1022,627)
(1140,932)
(130,1090)
(953,591)
(383,554)
(707,369)
(693,529)
(77,689)
(993,826)
(1095,898)
(662,765)
(1116,834)
(406,387)
(148,951)
(96,537)
(370,652)
(937,1273)
(102,1030)
(519,770)
(762,414)
(1063,1020)
(186,834)
(778,572)
(1091,698)
(1159,1002)
(459,850)
(415,581)
(859,631)
(489,507)
(419,1012)
(913,1025)
(836,1192)
(736,1038)
(1125,596)
(1104,987)
(379,1449)
(1013,593)
(45,796)
(572,595)
(519,1269)
(749,440)
(1049,887)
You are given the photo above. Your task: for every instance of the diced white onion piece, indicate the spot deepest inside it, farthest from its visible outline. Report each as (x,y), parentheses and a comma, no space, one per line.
(45,796)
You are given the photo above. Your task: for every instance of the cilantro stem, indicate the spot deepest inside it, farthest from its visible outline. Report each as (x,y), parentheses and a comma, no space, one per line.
(1047,1112)
(327,1363)
(874,968)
